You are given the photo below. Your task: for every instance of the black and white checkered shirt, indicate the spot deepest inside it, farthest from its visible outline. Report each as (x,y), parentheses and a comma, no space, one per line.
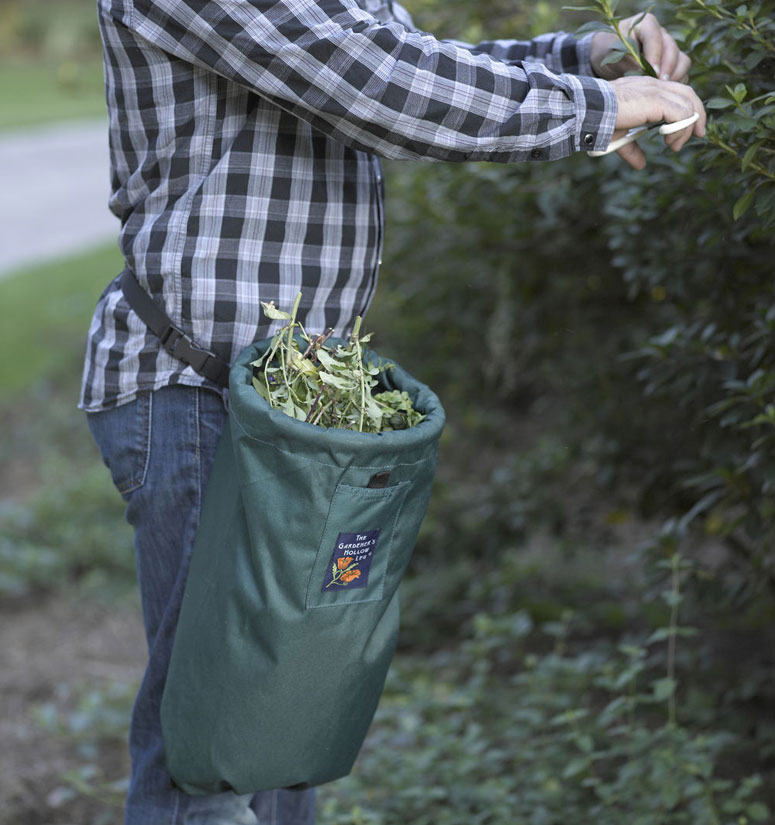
(245,139)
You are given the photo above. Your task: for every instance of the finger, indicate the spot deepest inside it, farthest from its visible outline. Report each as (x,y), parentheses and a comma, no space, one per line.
(649,34)
(670,54)
(676,140)
(679,139)
(672,140)
(633,154)
(681,98)
(681,71)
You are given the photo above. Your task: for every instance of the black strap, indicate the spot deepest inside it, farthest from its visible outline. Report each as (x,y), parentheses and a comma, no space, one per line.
(173,339)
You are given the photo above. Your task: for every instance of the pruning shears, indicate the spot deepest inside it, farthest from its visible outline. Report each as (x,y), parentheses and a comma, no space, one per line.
(634,134)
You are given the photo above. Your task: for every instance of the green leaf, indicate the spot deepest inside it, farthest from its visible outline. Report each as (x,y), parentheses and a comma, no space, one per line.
(743,123)
(753,60)
(659,635)
(271,311)
(719,103)
(592,26)
(663,688)
(758,811)
(750,154)
(328,361)
(338,381)
(671,598)
(585,743)
(614,56)
(260,389)
(575,768)
(288,407)
(739,93)
(742,205)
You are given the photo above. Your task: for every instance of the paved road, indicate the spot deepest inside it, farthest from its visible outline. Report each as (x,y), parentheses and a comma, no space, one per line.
(54,188)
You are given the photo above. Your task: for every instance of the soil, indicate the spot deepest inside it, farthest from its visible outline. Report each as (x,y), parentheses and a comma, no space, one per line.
(53,650)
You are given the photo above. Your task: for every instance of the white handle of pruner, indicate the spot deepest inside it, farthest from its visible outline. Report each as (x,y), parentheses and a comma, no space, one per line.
(634,134)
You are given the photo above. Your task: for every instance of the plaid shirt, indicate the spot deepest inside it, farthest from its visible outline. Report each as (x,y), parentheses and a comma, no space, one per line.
(245,138)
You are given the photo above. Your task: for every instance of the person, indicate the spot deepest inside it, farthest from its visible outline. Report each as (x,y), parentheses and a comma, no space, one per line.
(245,145)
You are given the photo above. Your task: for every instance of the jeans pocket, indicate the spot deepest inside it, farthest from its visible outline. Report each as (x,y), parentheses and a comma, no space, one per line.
(123,436)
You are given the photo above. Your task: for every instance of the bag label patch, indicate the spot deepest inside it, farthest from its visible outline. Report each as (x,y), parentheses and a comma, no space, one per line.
(351,561)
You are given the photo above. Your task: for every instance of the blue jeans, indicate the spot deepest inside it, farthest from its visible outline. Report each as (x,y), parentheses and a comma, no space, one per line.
(159,449)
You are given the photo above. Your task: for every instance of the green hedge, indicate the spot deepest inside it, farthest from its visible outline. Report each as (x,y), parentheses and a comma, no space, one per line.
(634,308)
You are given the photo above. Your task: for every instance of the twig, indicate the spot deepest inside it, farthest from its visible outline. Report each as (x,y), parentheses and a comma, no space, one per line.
(356,330)
(317,342)
(314,404)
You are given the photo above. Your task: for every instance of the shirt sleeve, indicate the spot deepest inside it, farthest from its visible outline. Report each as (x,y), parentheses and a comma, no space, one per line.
(559,52)
(382,87)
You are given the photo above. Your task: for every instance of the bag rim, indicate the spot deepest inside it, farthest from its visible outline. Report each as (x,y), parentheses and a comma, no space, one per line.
(251,411)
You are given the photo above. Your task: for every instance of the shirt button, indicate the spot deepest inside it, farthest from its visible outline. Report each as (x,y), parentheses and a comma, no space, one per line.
(589,139)
(537,153)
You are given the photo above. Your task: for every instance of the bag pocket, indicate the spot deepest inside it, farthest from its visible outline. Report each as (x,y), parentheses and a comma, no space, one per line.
(354,554)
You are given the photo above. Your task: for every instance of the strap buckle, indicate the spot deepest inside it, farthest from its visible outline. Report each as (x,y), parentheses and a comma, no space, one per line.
(180,346)
(170,337)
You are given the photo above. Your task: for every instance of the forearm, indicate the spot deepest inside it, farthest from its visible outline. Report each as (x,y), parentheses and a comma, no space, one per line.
(382,87)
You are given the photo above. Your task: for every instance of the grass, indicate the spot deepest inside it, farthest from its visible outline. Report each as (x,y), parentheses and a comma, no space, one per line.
(46,313)
(35,92)
(50,64)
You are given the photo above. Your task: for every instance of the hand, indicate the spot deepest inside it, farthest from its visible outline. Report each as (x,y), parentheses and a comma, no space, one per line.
(656,45)
(645,100)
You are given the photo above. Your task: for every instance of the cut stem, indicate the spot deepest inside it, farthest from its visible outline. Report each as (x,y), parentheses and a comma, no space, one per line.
(356,341)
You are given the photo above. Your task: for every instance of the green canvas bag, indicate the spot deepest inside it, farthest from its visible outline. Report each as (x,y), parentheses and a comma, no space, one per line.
(290,614)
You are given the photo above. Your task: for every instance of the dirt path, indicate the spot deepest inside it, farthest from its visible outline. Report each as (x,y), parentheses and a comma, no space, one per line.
(52,652)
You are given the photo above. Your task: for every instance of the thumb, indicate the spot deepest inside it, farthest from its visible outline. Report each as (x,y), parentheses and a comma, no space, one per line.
(633,154)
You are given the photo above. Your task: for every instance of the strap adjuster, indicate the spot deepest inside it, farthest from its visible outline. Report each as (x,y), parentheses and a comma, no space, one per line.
(170,336)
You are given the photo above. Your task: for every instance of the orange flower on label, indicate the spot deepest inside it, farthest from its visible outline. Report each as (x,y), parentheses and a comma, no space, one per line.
(350,575)
(343,563)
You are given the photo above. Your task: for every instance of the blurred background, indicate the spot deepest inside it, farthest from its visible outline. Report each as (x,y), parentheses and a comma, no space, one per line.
(588,626)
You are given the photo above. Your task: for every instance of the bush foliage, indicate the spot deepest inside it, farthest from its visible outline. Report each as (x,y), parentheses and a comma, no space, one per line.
(635,308)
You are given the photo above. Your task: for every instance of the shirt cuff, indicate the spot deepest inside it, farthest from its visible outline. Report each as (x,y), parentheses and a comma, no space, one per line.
(597,107)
